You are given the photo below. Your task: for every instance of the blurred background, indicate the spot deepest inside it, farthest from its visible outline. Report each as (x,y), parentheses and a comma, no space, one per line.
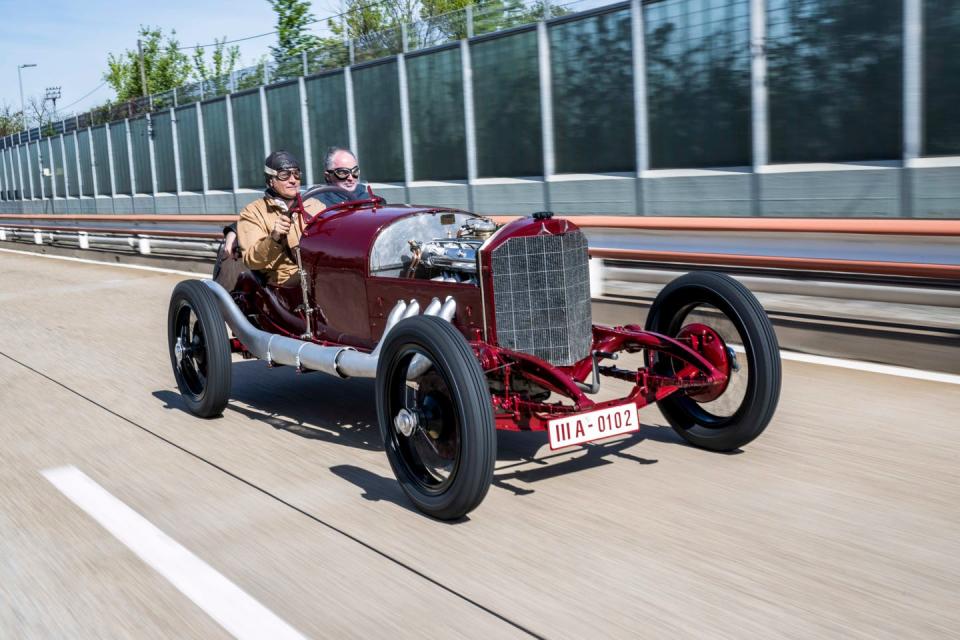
(800,108)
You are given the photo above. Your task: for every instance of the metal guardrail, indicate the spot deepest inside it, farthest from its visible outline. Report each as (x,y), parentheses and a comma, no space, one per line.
(84,231)
(156,242)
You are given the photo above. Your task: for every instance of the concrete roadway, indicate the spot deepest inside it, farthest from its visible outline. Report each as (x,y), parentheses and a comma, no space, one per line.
(840,521)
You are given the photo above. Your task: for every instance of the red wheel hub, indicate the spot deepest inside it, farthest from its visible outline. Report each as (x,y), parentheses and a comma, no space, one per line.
(708,343)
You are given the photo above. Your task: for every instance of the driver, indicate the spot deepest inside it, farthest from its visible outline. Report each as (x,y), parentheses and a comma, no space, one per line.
(266,232)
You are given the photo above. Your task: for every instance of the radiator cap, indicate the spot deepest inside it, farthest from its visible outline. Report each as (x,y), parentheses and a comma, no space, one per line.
(543,215)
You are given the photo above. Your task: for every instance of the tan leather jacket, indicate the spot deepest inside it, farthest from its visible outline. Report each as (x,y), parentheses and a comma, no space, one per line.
(262,252)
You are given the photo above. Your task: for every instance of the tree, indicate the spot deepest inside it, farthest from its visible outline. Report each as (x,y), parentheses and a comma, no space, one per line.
(293,36)
(38,111)
(10,121)
(375,27)
(165,66)
(223,60)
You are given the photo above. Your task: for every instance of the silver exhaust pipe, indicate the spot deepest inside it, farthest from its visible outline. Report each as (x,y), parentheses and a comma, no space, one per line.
(343,362)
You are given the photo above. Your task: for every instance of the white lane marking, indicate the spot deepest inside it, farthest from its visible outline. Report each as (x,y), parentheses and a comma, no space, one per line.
(872,367)
(860,365)
(225,602)
(140,267)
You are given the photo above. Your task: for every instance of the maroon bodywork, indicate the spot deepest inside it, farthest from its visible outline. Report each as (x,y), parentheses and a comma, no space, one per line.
(353,306)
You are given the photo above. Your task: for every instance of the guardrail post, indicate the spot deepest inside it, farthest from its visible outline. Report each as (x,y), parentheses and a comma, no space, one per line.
(204,179)
(469,120)
(760,128)
(93,167)
(110,163)
(912,99)
(53,175)
(83,239)
(43,190)
(134,187)
(546,109)
(151,152)
(232,145)
(143,245)
(264,122)
(405,124)
(3,175)
(66,171)
(305,131)
(37,236)
(351,110)
(23,186)
(76,159)
(175,142)
(641,125)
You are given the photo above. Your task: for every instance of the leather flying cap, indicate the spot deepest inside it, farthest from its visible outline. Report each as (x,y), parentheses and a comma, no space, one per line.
(280,161)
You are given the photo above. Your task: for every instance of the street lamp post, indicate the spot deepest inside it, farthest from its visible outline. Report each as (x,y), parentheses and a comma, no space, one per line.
(23,108)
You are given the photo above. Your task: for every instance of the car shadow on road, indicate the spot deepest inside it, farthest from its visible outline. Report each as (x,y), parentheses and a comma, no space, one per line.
(375,487)
(530,468)
(343,412)
(312,406)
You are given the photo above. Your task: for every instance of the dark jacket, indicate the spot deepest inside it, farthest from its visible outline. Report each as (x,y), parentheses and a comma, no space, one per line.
(330,198)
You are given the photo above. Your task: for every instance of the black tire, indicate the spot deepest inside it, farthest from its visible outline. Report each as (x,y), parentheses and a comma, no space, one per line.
(203,365)
(759,385)
(445,464)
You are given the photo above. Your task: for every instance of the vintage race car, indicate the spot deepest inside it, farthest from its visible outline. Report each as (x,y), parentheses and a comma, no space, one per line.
(469,326)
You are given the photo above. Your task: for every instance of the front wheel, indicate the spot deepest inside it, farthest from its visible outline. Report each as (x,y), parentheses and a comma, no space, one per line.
(739,411)
(436,417)
(199,349)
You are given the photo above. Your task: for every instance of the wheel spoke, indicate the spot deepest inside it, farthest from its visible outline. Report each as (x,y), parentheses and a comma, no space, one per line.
(430,451)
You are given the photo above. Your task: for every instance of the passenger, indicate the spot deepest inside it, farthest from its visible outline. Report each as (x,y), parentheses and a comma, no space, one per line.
(267,234)
(341,169)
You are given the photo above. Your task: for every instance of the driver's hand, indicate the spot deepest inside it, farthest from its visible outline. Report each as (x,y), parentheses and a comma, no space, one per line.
(280,228)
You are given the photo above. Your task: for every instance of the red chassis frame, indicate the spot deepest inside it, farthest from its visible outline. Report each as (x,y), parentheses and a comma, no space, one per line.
(701,352)
(705,374)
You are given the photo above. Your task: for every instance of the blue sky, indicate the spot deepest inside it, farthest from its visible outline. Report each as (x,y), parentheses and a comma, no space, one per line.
(69,40)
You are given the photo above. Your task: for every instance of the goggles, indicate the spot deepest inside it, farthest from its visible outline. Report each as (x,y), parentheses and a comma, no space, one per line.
(342,173)
(283,174)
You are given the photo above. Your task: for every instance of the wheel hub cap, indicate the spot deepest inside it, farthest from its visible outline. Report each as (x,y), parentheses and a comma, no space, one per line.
(179,350)
(405,422)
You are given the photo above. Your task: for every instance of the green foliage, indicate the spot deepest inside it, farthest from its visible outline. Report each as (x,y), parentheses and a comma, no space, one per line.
(293,35)
(375,27)
(223,61)
(164,65)
(10,121)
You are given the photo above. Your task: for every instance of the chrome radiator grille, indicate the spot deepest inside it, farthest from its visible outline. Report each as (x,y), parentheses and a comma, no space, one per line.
(541,293)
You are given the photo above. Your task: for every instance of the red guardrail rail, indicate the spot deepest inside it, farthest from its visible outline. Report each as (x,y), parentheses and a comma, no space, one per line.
(720,225)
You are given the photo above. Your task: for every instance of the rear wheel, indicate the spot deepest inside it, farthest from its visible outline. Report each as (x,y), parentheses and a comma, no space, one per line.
(436,417)
(702,303)
(199,349)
